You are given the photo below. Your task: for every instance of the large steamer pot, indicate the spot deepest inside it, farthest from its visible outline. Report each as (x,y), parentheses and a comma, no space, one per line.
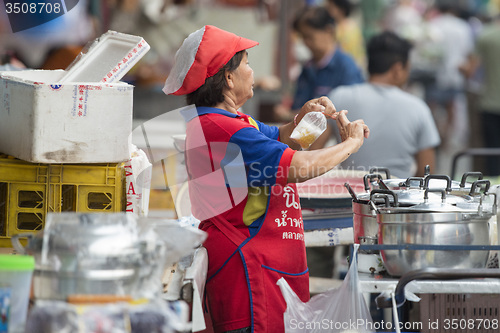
(94,254)
(433,225)
(409,192)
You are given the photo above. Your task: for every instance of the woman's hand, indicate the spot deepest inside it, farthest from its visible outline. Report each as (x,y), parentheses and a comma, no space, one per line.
(321,104)
(309,164)
(356,130)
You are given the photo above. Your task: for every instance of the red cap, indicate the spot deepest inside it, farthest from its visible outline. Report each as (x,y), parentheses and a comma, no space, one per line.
(200,56)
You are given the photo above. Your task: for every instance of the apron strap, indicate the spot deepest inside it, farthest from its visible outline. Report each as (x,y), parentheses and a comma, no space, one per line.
(229,230)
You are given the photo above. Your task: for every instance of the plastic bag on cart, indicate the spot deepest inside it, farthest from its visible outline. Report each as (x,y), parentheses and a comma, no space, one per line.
(339,310)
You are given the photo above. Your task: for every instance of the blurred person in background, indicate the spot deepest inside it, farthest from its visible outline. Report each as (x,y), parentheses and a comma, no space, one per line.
(404,134)
(9,62)
(457,64)
(348,31)
(402,18)
(328,67)
(488,51)
(242,176)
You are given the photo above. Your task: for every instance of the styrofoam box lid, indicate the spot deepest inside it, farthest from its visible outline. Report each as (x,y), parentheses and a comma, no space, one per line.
(32,76)
(107,59)
(40,76)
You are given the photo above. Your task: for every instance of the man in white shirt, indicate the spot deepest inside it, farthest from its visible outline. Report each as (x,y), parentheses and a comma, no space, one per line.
(403,132)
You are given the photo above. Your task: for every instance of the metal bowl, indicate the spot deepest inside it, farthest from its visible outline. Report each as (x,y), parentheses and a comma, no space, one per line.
(95,253)
(432,229)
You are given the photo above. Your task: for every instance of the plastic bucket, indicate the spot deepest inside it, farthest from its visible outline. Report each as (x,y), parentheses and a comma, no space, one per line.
(15,285)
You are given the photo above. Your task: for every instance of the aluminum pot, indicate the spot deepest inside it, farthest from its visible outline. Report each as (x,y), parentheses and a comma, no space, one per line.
(364,216)
(363,205)
(409,192)
(433,224)
(97,253)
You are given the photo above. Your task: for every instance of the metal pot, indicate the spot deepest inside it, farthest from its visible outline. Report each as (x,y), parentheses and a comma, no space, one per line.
(364,205)
(364,217)
(96,253)
(410,192)
(411,229)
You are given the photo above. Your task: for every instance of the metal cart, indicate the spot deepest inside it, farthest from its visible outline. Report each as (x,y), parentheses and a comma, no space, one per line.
(452,300)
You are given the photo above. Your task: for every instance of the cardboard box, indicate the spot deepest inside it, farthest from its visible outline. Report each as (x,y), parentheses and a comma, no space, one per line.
(45,121)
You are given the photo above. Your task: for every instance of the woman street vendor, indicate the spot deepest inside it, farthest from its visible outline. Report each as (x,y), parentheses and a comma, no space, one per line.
(242,176)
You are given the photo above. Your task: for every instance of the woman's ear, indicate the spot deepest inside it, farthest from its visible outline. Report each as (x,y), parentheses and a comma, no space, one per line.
(229,79)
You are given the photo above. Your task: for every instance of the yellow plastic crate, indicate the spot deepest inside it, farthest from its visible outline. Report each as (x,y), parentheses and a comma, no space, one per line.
(29,191)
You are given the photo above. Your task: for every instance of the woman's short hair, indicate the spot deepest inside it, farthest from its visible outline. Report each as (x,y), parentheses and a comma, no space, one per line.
(210,93)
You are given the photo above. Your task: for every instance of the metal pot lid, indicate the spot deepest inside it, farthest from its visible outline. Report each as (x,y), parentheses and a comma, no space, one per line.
(408,198)
(442,206)
(434,182)
(413,197)
(410,192)
(464,194)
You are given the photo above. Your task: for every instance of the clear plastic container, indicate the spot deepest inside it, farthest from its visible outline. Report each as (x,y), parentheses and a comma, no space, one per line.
(312,125)
(15,284)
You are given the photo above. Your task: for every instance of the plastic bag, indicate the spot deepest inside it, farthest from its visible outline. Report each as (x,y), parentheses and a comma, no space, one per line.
(138,181)
(339,310)
(312,125)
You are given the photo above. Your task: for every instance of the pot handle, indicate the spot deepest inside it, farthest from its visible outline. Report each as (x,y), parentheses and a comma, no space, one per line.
(427,190)
(381,169)
(445,177)
(477,183)
(466,175)
(368,177)
(17,244)
(351,192)
(386,193)
(413,179)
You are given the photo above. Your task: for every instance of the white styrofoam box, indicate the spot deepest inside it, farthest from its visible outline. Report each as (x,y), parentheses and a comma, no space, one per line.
(107,59)
(43,121)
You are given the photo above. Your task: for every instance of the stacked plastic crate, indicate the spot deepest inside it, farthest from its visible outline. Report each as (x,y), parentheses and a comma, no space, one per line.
(28,191)
(64,136)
